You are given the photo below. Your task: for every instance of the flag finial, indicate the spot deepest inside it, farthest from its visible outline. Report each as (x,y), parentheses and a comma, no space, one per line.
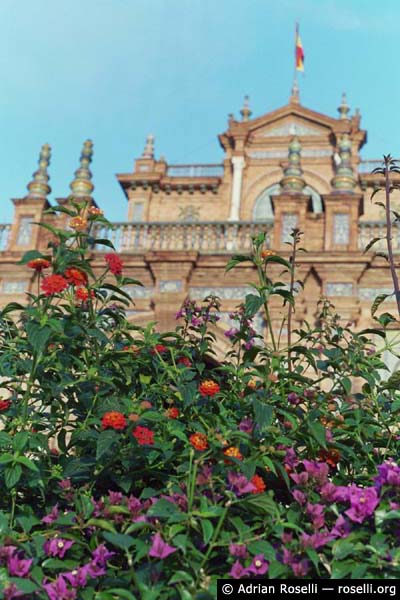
(245,110)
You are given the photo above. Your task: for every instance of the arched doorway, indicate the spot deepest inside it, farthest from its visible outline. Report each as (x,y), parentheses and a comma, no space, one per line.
(263,210)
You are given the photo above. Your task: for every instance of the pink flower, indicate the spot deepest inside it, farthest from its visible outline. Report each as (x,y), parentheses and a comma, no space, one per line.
(58,590)
(363,502)
(57,547)
(159,548)
(238,571)
(18,567)
(259,566)
(240,484)
(238,550)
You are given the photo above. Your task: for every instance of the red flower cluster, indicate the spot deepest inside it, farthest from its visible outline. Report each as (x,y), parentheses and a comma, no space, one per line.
(113,420)
(199,441)
(208,387)
(259,484)
(38,264)
(75,276)
(114,263)
(172,413)
(4,404)
(54,284)
(331,457)
(160,348)
(184,360)
(143,435)
(82,293)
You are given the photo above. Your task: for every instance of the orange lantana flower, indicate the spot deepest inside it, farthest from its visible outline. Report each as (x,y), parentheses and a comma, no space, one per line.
(38,264)
(199,441)
(234,452)
(208,387)
(259,484)
(113,420)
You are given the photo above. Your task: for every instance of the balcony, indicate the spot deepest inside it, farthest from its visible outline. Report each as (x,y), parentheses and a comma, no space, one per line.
(215,237)
(4,235)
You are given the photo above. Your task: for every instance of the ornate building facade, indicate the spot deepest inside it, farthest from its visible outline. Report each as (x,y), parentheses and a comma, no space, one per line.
(292,167)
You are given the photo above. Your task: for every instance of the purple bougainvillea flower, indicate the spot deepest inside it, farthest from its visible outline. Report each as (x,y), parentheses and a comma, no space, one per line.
(290,458)
(95,569)
(115,497)
(299,497)
(101,555)
(18,567)
(238,550)
(57,547)
(159,548)
(287,556)
(12,592)
(134,505)
(300,478)
(239,484)
(319,471)
(293,398)
(230,333)
(316,512)
(316,540)
(205,475)
(58,590)
(342,493)
(389,474)
(238,571)
(6,552)
(300,568)
(259,566)
(246,425)
(287,537)
(52,516)
(341,528)
(78,577)
(363,502)
(328,492)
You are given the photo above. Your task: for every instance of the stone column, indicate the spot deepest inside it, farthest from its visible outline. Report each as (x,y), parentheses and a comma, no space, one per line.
(238,164)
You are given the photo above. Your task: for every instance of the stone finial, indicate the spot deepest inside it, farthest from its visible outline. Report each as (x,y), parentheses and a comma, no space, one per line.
(39,188)
(344,180)
(245,110)
(295,96)
(82,186)
(148,151)
(292,181)
(344,108)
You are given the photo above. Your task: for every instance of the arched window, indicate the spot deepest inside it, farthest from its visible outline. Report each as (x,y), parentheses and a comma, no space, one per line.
(263,206)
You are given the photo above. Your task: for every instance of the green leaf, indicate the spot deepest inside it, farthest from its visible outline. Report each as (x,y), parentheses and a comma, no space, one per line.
(38,335)
(318,432)
(342,548)
(102,523)
(263,413)
(24,585)
(101,242)
(12,475)
(181,576)
(23,460)
(260,504)
(163,508)
(31,255)
(377,302)
(253,304)
(120,540)
(236,259)
(105,441)
(6,458)
(207,529)
(277,259)
(371,243)
(20,440)
(121,593)
(11,307)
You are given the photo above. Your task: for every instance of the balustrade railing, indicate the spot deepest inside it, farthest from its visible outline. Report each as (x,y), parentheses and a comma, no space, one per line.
(214,170)
(368,230)
(4,235)
(207,237)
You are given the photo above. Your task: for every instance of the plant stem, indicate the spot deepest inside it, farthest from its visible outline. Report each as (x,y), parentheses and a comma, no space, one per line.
(290,307)
(389,237)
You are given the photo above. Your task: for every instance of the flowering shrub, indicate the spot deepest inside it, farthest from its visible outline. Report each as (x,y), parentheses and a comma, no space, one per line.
(136,466)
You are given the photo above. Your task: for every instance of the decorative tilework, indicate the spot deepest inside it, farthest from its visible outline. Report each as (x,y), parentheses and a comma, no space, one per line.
(226,293)
(306,153)
(18,286)
(136,291)
(289,222)
(341,229)
(170,285)
(339,289)
(24,231)
(369,293)
(292,128)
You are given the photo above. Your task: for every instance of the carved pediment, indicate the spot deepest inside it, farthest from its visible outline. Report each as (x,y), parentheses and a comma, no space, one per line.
(291,128)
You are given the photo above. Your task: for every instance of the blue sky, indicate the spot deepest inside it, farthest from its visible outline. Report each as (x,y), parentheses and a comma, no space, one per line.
(116,70)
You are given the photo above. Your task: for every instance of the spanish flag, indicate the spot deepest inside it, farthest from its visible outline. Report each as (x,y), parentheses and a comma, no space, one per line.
(299,52)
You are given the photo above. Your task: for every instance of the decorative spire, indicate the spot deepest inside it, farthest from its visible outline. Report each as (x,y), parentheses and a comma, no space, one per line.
(295,97)
(148,151)
(344,108)
(82,186)
(38,188)
(245,111)
(344,180)
(292,181)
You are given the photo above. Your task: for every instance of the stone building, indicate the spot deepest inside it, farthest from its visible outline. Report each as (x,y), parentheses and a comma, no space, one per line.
(292,167)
